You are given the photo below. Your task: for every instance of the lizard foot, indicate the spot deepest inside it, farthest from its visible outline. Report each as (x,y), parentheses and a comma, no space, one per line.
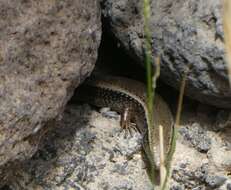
(126,124)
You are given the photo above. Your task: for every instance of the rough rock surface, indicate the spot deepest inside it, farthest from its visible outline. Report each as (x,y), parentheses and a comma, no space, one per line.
(186,33)
(89,151)
(86,151)
(46,49)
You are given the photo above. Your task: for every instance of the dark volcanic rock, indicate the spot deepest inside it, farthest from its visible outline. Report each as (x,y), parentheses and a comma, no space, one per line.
(185,33)
(46,49)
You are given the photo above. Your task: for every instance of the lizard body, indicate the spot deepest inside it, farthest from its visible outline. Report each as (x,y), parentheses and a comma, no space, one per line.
(122,94)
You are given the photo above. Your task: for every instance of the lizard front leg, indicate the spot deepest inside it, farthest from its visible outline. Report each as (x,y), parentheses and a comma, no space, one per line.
(126,123)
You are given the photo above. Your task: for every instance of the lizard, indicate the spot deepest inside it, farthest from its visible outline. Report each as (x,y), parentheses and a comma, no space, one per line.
(128,98)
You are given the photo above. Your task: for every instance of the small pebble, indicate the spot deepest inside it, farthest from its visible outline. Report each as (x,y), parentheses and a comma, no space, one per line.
(229,186)
(106,112)
(215,181)
(197,136)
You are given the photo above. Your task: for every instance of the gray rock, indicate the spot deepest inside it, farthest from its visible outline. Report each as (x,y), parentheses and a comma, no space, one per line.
(176,187)
(186,34)
(201,173)
(123,186)
(46,49)
(185,178)
(198,179)
(121,168)
(199,188)
(229,186)
(197,136)
(223,119)
(215,181)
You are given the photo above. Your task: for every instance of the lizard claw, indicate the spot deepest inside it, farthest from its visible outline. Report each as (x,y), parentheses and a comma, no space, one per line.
(126,123)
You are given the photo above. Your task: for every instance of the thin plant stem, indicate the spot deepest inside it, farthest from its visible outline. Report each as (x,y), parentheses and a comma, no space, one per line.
(162,157)
(175,132)
(180,100)
(150,91)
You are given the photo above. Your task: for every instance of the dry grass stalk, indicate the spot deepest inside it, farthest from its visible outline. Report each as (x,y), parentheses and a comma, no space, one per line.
(173,143)
(162,158)
(180,100)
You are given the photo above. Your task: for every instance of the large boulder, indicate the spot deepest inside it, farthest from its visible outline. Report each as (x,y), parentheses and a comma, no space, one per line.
(46,49)
(186,33)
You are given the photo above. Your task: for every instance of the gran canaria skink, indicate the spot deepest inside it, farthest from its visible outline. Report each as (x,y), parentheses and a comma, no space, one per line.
(128,97)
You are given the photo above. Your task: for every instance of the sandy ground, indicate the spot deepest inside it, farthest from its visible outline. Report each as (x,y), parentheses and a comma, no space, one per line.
(88,150)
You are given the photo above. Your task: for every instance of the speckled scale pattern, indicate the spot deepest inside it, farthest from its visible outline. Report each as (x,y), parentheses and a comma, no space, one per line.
(120,93)
(116,100)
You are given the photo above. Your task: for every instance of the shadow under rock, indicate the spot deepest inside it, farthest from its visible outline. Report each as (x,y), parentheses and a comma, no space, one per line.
(61,138)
